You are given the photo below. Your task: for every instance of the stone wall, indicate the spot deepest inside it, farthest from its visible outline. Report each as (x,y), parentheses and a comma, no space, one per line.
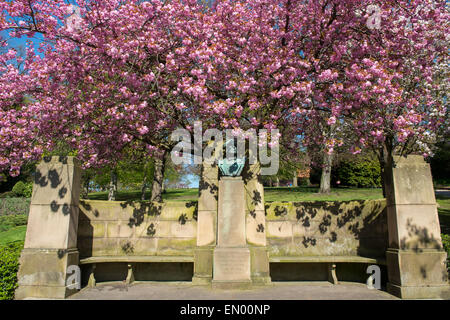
(327,228)
(113,228)
(293,229)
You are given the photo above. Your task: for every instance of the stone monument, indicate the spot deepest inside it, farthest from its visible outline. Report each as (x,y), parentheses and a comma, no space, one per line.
(231,255)
(51,238)
(416,261)
(231,267)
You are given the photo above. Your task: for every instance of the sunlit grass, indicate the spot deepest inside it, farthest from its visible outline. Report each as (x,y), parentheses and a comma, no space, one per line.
(168,195)
(444,213)
(14,234)
(271,194)
(311,194)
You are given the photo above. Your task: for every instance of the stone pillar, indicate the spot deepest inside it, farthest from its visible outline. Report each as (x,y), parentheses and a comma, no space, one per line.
(256,224)
(51,239)
(206,224)
(231,256)
(415,258)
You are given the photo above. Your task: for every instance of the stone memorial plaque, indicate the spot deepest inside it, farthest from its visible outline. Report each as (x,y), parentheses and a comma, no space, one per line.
(231,264)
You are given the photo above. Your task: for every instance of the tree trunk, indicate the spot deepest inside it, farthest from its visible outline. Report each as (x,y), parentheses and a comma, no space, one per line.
(386,178)
(277,182)
(143,189)
(383,177)
(112,186)
(270,182)
(158,178)
(325,180)
(144,183)
(386,162)
(295,180)
(85,190)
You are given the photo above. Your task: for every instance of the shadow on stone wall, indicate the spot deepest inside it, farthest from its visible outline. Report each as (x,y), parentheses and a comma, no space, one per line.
(419,238)
(85,240)
(53,180)
(205,186)
(323,224)
(136,228)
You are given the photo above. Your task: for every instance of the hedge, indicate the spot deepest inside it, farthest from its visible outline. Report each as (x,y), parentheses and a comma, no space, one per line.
(9,266)
(22,189)
(12,220)
(9,206)
(446,244)
(358,172)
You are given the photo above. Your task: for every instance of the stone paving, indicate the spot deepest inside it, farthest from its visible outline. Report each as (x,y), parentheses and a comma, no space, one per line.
(187,291)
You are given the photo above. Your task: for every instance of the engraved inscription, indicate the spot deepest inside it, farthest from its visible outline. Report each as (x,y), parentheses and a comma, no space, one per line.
(231,264)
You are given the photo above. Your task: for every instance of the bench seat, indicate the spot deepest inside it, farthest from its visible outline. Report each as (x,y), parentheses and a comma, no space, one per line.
(136,259)
(130,260)
(330,260)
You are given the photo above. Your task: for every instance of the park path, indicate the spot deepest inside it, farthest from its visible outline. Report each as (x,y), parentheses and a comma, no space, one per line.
(443,192)
(276,291)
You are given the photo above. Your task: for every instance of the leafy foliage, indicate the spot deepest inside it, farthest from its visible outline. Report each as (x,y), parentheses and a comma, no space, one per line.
(22,189)
(14,206)
(359,172)
(19,188)
(446,244)
(13,220)
(9,266)
(439,163)
(7,182)
(7,194)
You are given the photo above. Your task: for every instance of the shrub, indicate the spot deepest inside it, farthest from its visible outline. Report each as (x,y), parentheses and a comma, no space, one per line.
(9,206)
(22,189)
(28,191)
(359,172)
(9,266)
(439,162)
(7,194)
(441,182)
(446,244)
(19,188)
(13,220)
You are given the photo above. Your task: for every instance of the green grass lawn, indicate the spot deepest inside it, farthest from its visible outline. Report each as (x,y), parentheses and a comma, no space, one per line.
(169,195)
(444,213)
(271,194)
(309,194)
(14,234)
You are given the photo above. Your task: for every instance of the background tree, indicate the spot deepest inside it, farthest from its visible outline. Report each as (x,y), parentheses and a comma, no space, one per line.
(440,167)
(362,170)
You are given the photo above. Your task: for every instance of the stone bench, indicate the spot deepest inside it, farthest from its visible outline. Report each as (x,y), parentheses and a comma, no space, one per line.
(330,260)
(130,260)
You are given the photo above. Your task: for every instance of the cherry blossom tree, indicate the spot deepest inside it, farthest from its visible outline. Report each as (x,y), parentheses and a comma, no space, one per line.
(390,92)
(112,75)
